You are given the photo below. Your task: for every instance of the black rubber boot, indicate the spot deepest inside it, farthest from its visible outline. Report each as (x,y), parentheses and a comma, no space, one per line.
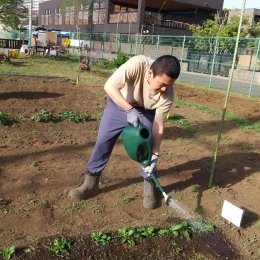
(150,199)
(89,188)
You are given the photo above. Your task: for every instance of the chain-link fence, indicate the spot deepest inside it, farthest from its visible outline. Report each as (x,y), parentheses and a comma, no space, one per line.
(204,60)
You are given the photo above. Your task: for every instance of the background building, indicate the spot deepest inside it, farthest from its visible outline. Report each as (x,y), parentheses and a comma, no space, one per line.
(35,6)
(170,17)
(252,13)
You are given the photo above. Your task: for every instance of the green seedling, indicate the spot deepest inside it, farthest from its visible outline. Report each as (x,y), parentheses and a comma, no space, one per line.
(43,116)
(147,232)
(60,246)
(164,232)
(129,235)
(178,250)
(84,116)
(5,119)
(201,226)
(70,116)
(8,252)
(182,229)
(100,238)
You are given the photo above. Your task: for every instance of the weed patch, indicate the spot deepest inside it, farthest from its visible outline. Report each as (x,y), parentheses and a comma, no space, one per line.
(179,120)
(5,119)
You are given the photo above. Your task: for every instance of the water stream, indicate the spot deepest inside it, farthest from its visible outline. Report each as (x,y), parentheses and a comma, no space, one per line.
(181,210)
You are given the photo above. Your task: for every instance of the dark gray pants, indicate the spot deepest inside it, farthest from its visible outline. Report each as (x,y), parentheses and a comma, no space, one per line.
(112,124)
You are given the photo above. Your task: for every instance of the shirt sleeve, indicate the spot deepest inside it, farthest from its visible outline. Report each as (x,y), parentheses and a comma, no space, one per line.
(125,73)
(163,110)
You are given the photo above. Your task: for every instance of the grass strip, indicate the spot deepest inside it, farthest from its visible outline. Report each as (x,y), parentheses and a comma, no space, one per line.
(242,123)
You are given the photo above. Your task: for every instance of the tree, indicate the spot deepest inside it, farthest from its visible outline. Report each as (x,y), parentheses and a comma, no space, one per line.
(255,30)
(75,10)
(224,29)
(11,13)
(220,26)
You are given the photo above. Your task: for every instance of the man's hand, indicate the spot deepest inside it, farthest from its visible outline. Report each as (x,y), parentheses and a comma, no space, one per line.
(146,171)
(133,117)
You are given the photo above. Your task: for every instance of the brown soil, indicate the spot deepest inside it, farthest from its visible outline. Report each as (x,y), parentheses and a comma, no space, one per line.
(41,162)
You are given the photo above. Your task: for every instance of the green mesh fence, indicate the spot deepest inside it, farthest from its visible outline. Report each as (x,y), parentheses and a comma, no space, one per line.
(204,60)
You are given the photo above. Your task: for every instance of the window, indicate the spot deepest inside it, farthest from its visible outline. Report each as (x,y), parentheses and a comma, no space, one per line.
(47,17)
(257,18)
(69,16)
(83,15)
(42,19)
(122,14)
(57,16)
(99,10)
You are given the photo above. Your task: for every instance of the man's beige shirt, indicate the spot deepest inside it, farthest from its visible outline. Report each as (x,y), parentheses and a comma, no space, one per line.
(131,78)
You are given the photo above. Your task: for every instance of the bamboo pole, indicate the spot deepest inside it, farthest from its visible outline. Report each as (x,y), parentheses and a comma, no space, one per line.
(227,96)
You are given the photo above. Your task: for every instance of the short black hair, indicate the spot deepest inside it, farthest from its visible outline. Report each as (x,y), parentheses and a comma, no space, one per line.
(168,65)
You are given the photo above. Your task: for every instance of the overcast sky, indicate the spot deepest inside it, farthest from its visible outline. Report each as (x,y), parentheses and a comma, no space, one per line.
(238,4)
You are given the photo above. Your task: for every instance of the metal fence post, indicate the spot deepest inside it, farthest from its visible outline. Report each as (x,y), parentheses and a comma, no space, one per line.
(157,46)
(255,64)
(213,61)
(182,53)
(136,39)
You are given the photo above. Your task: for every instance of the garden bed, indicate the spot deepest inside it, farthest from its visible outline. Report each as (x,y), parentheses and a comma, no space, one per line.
(41,162)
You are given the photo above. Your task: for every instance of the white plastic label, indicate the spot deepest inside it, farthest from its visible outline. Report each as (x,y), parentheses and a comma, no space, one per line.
(232,213)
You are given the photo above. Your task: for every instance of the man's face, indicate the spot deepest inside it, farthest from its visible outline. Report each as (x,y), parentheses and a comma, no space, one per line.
(159,83)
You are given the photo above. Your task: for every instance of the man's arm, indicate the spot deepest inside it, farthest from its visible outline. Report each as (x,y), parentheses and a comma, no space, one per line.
(158,129)
(117,97)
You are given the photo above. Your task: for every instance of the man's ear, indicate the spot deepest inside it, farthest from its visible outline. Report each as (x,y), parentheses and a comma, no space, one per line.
(150,73)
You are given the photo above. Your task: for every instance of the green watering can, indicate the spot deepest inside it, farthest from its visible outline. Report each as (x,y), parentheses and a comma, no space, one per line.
(138,143)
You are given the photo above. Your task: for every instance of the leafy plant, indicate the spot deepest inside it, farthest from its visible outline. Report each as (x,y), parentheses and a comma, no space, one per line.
(164,232)
(70,115)
(8,252)
(147,232)
(201,226)
(43,116)
(84,116)
(129,235)
(120,59)
(100,238)
(182,229)
(5,119)
(60,246)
